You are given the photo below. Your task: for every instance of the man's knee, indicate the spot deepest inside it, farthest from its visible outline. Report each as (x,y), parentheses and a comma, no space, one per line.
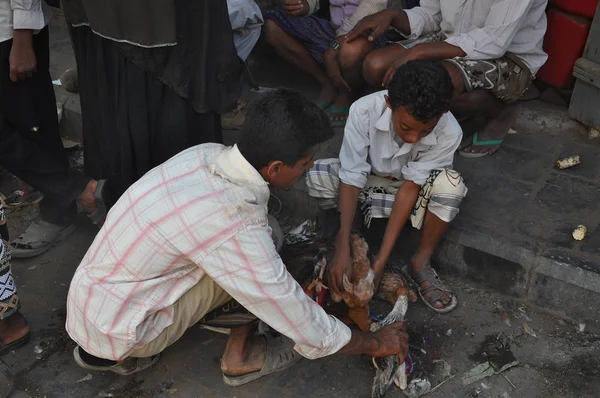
(374,68)
(272,32)
(322,180)
(456,77)
(352,54)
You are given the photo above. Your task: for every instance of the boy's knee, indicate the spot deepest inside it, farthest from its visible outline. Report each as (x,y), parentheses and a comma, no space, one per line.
(449,182)
(352,54)
(374,68)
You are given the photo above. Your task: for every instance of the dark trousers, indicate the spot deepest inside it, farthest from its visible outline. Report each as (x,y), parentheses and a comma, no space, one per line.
(30,143)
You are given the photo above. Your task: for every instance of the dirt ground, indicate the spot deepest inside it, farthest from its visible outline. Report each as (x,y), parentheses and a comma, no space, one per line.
(555,359)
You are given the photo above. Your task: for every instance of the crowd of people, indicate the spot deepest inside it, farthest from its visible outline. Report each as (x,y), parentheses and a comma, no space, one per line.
(185,236)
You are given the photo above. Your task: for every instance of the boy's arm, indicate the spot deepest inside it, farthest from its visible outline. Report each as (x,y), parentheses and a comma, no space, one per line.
(353,177)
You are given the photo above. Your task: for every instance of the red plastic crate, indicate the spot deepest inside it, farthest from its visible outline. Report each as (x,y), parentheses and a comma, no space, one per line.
(564,43)
(585,8)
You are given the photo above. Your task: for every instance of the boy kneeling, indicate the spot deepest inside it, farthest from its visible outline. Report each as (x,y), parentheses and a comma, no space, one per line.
(396,160)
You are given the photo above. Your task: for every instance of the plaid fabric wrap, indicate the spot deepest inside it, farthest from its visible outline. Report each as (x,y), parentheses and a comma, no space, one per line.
(441,193)
(9,301)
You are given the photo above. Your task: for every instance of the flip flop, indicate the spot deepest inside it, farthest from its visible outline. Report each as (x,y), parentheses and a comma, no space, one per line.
(341,111)
(280,356)
(324,105)
(5,349)
(435,284)
(124,368)
(476,142)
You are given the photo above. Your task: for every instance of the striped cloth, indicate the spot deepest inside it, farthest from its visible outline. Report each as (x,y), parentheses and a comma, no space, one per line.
(9,301)
(441,193)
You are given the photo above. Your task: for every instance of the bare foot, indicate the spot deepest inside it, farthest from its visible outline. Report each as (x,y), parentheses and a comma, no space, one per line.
(327,95)
(13,328)
(338,112)
(495,130)
(87,198)
(244,353)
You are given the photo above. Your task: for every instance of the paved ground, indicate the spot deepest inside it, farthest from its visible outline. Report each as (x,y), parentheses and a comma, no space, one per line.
(509,251)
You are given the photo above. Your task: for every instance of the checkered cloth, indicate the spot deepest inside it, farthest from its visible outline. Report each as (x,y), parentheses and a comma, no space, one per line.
(9,301)
(441,193)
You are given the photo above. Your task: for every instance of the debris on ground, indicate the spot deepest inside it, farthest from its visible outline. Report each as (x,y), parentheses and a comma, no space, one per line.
(21,198)
(527,329)
(579,232)
(494,357)
(505,318)
(417,388)
(87,377)
(568,162)
(40,351)
(302,233)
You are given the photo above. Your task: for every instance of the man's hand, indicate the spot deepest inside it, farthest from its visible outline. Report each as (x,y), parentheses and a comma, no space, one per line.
(341,265)
(22,56)
(332,67)
(393,340)
(297,8)
(375,25)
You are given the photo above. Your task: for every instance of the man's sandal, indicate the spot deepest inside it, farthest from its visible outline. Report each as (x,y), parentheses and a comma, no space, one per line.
(38,238)
(280,356)
(124,368)
(337,112)
(435,285)
(5,349)
(474,143)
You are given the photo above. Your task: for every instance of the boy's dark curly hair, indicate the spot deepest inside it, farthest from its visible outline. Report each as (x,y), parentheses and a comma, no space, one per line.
(423,87)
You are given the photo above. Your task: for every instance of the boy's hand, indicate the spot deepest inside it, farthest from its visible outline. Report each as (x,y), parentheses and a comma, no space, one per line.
(375,25)
(22,59)
(297,8)
(332,68)
(340,265)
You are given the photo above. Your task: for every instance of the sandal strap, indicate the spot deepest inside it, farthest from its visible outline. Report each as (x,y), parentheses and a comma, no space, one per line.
(428,274)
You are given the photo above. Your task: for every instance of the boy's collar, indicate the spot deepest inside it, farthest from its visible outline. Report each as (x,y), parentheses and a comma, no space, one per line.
(384,124)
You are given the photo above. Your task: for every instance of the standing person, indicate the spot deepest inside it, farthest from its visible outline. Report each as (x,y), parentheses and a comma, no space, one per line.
(153,77)
(30,144)
(14,330)
(492,49)
(313,44)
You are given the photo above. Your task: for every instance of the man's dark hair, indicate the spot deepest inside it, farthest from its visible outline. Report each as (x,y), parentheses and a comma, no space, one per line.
(423,87)
(282,125)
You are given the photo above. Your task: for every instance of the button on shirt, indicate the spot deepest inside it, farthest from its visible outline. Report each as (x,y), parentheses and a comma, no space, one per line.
(201,214)
(486,29)
(22,14)
(370,145)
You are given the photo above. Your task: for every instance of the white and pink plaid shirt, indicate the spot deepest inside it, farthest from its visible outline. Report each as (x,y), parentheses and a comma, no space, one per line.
(202,213)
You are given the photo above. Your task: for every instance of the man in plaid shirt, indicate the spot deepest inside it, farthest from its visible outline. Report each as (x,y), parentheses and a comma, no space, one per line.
(191,242)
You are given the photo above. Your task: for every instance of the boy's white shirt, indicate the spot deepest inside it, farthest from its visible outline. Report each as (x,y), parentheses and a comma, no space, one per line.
(371,146)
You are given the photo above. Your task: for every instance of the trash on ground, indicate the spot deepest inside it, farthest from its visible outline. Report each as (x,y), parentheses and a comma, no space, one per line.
(21,198)
(449,332)
(512,131)
(593,133)
(103,394)
(505,318)
(568,162)
(579,232)
(483,370)
(302,233)
(581,327)
(417,387)
(39,351)
(527,329)
(87,377)
(59,110)
(57,82)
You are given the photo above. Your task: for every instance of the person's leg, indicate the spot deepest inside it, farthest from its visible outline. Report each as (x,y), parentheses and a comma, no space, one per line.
(488,87)
(350,58)
(437,206)
(294,52)
(14,329)
(378,62)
